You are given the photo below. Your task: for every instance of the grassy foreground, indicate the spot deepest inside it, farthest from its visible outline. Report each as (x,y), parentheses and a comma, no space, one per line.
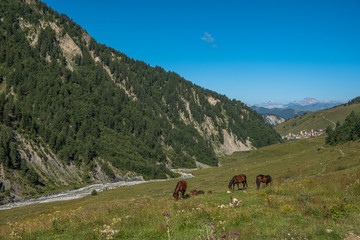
(315,195)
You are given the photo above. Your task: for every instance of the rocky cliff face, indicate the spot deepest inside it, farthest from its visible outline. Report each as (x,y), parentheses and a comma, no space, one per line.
(49,172)
(273,120)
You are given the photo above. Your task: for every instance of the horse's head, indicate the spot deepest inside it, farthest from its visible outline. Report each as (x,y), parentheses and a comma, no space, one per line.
(268,178)
(176,195)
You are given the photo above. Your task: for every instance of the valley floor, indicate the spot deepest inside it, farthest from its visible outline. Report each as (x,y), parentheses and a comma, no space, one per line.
(315,195)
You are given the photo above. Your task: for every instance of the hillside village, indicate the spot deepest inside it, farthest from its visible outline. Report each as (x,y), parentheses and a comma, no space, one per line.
(304,134)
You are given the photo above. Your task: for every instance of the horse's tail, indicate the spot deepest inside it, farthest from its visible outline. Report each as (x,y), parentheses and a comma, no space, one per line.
(231,182)
(245,181)
(257,182)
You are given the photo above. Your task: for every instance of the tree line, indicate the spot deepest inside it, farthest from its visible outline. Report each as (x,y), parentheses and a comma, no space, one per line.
(345,132)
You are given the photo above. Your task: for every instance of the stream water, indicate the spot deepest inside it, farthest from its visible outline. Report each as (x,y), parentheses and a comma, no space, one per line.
(82,192)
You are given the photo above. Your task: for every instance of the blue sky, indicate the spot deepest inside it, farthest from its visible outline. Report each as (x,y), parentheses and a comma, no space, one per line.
(253,51)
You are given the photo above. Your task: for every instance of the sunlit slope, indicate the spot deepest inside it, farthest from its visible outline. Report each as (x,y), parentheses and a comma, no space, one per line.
(317,120)
(315,187)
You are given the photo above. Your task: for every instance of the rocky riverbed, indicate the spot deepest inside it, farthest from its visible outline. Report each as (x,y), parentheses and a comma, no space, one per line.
(82,192)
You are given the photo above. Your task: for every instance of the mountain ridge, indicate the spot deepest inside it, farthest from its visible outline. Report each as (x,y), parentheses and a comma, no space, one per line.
(87,107)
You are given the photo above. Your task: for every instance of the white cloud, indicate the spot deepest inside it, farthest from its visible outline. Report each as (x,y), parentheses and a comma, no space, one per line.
(208,38)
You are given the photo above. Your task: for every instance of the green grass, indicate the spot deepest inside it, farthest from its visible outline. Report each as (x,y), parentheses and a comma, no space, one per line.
(315,195)
(317,120)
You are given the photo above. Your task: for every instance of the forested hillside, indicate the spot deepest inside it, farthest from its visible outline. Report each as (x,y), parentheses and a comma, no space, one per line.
(74,111)
(354,101)
(349,130)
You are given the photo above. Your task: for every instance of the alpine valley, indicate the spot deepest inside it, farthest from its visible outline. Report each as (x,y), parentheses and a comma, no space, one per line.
(75,112)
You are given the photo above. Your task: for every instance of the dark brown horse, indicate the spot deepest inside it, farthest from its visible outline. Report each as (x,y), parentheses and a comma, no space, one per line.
(262,178)
(180,187)
(236,180)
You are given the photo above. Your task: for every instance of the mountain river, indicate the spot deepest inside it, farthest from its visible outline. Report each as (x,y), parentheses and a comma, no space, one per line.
(82,192)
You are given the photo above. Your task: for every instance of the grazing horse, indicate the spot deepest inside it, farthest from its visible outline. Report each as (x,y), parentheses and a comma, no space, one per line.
(236,180)
(180,187)
(262,178)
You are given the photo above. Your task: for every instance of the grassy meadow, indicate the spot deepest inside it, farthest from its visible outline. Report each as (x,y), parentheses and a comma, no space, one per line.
(315,195)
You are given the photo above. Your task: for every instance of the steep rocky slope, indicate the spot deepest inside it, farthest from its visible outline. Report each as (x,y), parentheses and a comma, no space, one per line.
(73,111)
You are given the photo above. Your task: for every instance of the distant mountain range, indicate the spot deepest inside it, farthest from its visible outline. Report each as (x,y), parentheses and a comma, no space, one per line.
(305,104)
(292,109)
(286,113)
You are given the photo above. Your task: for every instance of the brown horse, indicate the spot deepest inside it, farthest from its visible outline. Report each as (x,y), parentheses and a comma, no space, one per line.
(180,187)
(262,178)
(236,180)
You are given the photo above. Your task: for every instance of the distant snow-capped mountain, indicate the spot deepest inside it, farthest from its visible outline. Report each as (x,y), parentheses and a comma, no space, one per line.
(292,109)
(313,104)
(307,103)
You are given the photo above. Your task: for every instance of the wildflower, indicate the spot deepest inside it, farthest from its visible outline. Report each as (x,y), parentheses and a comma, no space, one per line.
(211,223)
(166,214)
(211,227)
(231,236)
(214,231)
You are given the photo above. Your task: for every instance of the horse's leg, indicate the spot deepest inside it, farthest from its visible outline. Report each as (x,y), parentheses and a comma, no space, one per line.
(238,186)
